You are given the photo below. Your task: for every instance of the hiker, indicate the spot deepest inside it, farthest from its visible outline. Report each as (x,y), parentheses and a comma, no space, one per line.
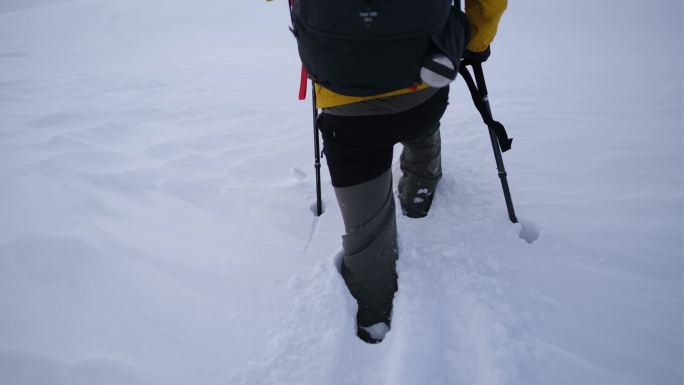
(359,129)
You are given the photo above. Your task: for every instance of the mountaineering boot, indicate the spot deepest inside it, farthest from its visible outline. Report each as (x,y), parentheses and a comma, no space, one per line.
(370,252)
(421,164)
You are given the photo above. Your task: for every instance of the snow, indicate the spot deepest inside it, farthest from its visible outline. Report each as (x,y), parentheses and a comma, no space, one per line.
(156,192)
(528,230)
(377,331)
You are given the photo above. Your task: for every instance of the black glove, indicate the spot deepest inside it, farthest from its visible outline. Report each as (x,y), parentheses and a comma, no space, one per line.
(476,57)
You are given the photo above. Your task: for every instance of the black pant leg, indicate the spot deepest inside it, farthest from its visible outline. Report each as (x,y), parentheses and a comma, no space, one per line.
(359,148)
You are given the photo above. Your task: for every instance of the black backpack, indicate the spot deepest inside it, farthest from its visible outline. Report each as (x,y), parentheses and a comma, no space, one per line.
(369,47)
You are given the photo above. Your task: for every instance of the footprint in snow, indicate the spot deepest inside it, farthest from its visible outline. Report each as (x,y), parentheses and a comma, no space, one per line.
(299,174)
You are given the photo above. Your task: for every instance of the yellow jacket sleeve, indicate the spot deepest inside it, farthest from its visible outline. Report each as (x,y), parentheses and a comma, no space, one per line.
(484,16)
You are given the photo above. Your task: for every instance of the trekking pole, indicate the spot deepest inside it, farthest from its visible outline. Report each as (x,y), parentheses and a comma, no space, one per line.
(302,96)
(497,132)
(317,150)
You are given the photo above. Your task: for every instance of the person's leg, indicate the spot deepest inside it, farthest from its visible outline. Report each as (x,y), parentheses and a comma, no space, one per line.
(421,158)
(370,246)
(368,211)
(421,165)
(358,152)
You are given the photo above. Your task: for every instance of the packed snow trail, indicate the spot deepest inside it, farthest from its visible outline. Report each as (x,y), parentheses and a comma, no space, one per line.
(451,324)
(156,185)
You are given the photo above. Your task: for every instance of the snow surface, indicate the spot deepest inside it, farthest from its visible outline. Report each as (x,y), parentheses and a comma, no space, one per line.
(377,331)
(156,188)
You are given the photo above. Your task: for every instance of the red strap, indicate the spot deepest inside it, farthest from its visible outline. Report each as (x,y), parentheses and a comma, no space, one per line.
(302,84)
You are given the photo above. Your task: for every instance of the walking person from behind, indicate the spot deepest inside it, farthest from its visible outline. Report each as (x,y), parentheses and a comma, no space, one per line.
(382,69)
